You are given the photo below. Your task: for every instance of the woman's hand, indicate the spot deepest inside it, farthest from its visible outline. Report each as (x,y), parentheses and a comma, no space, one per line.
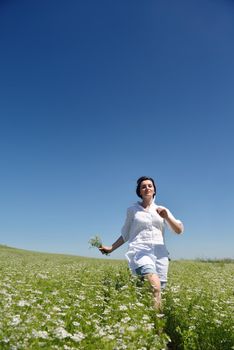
(162,212)
(105,249)
(176,225)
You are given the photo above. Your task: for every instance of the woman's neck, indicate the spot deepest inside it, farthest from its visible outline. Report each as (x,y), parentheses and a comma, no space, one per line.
(146,202)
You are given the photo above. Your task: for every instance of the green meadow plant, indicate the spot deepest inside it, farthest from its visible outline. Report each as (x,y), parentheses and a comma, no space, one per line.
(199,305)
(52,301)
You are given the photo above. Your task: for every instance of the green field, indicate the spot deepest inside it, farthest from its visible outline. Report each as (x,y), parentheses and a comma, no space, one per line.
(53,301)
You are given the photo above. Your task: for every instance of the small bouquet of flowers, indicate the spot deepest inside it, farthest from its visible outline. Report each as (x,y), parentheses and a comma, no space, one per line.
(95,242)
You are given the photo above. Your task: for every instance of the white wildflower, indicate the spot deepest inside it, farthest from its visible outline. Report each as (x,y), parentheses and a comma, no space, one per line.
(40,334)
(145,317)
(149,326)
(218,321)
(101,332)
(123,307)
(15,320)
(65,307)
(3,292)
(37,292)
(121,330)
(6,340)
(23,303)
(124,287)
(55,308)
(42,276)
(61,333)
(139,304)
(192,327)
(126,319)
(110,337)
(106,312)
(77,337)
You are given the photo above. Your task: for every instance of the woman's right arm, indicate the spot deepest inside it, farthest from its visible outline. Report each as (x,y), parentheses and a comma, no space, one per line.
(107,250)
(124,235)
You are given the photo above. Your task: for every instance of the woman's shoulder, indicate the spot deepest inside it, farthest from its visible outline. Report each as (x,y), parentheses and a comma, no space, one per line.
(160,206)
(133,207)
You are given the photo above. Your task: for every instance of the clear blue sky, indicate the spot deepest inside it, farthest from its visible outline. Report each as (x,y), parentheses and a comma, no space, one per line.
(94,94)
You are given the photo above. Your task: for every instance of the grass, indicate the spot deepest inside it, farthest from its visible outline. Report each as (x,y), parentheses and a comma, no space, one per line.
(54,301)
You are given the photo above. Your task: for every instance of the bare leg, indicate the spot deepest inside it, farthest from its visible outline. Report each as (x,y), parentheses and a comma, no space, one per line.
(156,289)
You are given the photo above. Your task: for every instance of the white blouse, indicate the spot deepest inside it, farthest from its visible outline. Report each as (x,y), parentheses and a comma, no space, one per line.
(143,229)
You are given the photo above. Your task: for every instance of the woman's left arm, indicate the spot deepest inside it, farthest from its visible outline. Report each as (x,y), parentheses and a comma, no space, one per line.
(176,225)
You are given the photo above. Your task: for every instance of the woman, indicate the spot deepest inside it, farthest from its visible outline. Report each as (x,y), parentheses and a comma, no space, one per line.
(144,230)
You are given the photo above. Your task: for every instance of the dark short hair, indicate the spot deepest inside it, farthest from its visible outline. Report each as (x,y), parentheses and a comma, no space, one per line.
(139,181)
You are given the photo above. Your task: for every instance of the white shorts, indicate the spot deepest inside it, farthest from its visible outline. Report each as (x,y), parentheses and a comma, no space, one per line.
(155,256)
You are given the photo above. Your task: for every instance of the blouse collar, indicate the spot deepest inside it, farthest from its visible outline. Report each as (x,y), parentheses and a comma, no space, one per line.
(153,204)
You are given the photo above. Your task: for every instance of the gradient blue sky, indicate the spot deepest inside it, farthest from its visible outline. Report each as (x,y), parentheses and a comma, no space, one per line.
(94,94)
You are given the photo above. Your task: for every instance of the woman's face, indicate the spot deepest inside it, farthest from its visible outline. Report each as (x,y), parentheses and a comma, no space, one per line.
(147,189)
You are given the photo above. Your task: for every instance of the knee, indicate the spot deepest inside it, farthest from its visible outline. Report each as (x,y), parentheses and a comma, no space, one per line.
(156,289)
(154,281)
